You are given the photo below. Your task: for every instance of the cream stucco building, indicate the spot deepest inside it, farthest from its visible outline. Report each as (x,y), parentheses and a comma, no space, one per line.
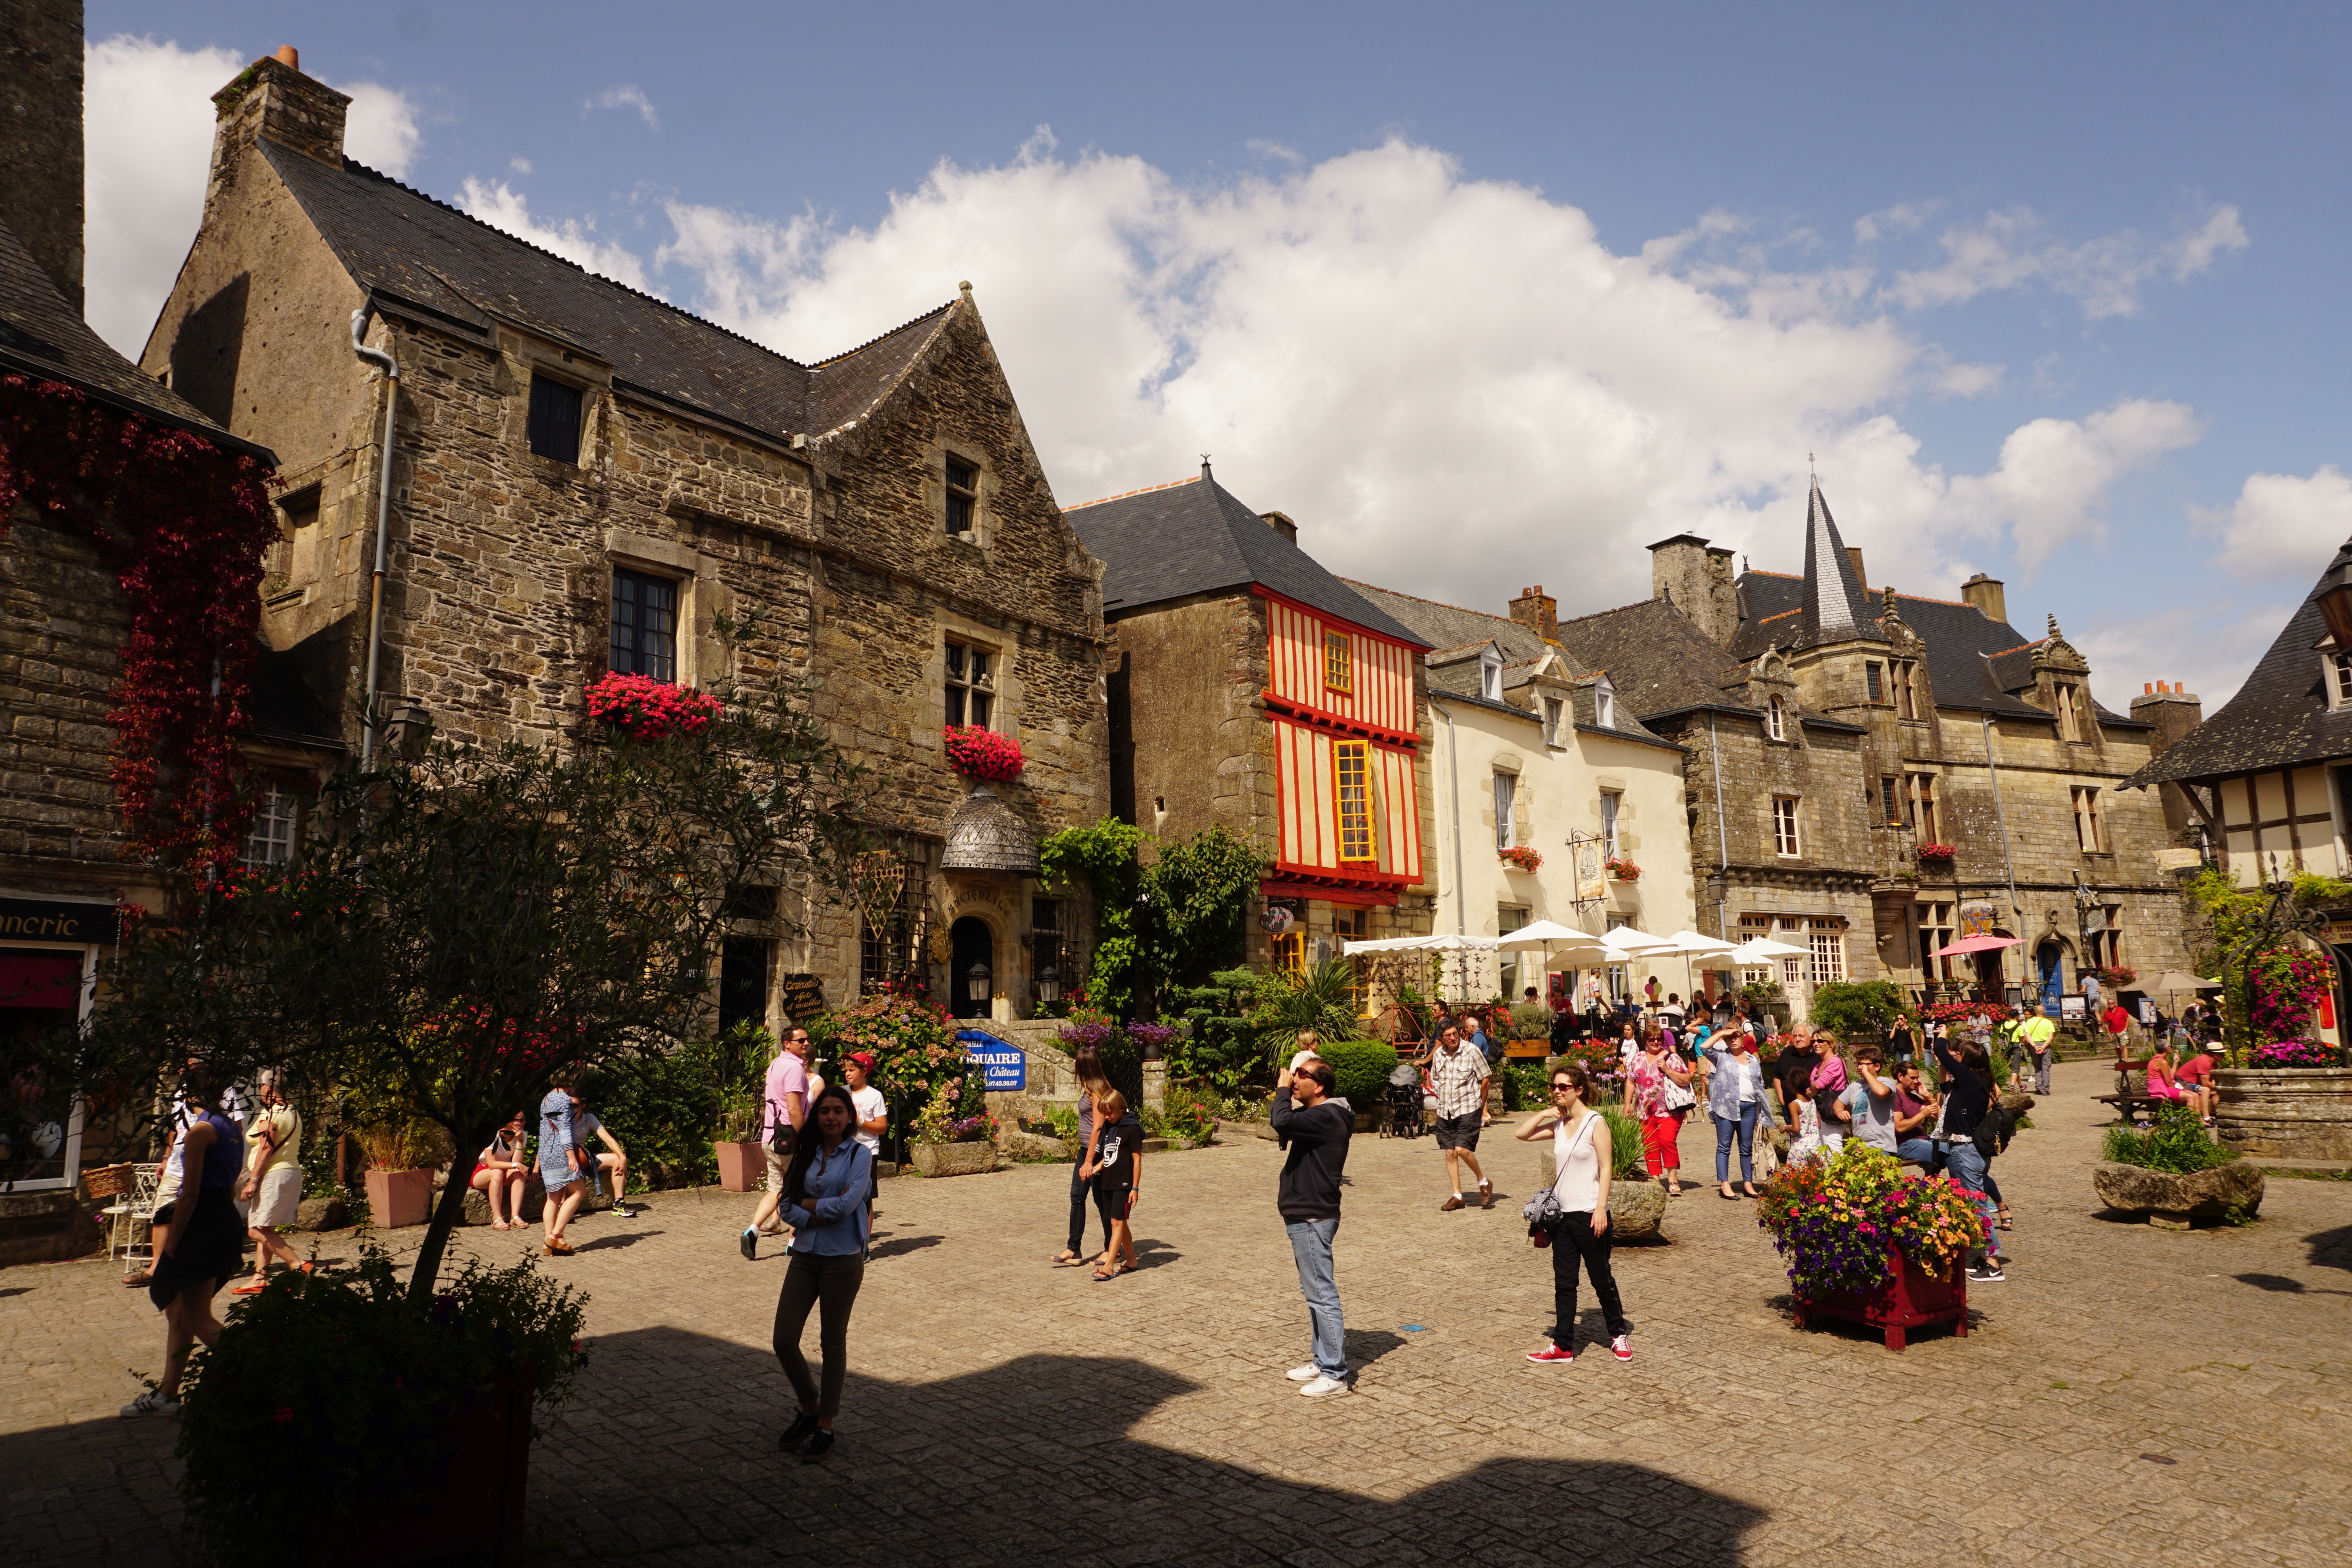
(1529,750)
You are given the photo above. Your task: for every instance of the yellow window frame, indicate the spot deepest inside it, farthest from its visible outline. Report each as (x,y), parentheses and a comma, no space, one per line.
(1338,662)
(1290,955)
(1351,799)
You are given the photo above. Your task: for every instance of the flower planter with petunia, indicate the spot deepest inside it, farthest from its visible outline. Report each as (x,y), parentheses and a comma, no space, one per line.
(1938,853)
(646,709)
(1870,1245)
(983,754)
(1521,857)
(1620,869)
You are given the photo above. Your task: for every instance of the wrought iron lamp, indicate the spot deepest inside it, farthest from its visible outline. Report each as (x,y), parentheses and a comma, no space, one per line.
(975,982)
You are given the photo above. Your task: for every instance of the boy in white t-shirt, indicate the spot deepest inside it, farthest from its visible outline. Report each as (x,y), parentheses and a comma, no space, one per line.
(873,1114)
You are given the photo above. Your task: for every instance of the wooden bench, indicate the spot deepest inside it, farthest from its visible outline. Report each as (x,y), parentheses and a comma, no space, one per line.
(2127,1100)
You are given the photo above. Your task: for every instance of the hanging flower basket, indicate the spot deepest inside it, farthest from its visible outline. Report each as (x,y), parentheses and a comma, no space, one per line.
(1620,869)
(1522,858)
(648,709)
(1937,852)
(2116,977)
(978,753)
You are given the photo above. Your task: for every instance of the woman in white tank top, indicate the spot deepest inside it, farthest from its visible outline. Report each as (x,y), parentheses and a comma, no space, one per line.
(1581,1163)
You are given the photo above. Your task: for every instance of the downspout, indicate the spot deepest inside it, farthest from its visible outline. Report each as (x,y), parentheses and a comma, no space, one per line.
(2016,910)
(1453,785)
(1722,833)
(391,369)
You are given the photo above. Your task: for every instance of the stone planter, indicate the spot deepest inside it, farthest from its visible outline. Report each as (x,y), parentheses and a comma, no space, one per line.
(2288,1112)
(740,1167)
(2171,1201)
(954,1159)
(397,1200)
(1910,1297)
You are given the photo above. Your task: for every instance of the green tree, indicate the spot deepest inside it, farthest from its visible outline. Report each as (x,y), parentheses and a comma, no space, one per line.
(1101,859)
(1197,894)
(1857,1010)
(474,921)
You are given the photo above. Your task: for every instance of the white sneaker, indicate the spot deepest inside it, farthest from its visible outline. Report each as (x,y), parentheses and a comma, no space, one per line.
(1319,1386)
(154,1402)
(1305,1374)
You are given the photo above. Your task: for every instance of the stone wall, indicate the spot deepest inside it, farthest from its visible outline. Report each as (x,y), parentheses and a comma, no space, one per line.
(41,156)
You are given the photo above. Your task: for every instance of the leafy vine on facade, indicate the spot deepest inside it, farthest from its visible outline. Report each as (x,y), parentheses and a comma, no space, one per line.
(183,525)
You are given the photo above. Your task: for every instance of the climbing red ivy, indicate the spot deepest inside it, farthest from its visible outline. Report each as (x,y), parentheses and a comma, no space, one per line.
(182,523)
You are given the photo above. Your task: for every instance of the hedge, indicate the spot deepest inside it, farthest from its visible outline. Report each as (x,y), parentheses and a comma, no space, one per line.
(1363,1067)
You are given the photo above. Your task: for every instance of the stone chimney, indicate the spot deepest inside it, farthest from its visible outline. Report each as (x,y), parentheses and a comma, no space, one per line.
(1697,576)
(1280,523)
(271,98)
(2173,713)
(1985,593)
(41,158)
(1537,611)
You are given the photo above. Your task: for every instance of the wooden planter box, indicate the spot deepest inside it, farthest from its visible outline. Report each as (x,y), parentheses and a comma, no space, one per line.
(1912,1298)
(476,1502)
(399,1198)
(955,1160)
(741,1166)
(2286,1113)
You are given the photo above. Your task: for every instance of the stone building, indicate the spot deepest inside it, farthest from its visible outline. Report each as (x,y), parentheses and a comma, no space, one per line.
(1251,687)
(1839,736)
(585,479)
(1531,750)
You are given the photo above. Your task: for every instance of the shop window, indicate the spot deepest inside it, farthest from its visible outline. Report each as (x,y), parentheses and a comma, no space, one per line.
(1826,939)
(1290,955)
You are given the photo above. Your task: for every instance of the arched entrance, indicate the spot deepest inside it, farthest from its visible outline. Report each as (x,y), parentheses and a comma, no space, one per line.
(970,945)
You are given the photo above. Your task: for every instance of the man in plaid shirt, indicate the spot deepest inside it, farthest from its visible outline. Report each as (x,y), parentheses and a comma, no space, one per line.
(1457,1077)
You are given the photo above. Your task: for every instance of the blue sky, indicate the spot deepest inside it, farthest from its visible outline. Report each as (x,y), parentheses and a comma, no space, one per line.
(2050,289)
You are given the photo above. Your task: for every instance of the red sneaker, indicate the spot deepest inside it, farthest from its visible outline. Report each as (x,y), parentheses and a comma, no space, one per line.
(1622,1350)
(1551,1354)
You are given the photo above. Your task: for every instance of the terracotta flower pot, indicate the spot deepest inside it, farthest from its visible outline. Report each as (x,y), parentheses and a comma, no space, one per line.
(399,1198)
(740,1167)
(1911,1299)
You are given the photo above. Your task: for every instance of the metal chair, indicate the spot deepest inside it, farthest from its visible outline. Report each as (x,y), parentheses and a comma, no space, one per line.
(127,1213)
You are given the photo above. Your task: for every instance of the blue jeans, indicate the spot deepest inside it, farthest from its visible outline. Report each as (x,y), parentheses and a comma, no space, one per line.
(1310,1244)
(1919,1151)
(1967,1167)
(1746,1127)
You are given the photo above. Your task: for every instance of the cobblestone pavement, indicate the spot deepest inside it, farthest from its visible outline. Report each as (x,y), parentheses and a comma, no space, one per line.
(2130,1395)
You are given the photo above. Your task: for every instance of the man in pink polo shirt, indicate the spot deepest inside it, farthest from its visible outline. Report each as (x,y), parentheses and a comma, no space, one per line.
(785,1108)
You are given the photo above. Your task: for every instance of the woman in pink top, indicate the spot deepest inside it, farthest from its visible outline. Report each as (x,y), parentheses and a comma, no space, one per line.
(1646,1096)
(2160,1083)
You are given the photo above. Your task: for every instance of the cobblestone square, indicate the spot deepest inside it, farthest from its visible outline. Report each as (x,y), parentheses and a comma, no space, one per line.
(2130,1395)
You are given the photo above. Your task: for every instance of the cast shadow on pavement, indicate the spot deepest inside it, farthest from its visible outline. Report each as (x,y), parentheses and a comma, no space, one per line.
(2331,1248)
(902,1244)
(667,1456)
(613,1243)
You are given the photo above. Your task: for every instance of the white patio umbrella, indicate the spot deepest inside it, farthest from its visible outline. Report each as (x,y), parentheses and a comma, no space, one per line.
(1758,951)
(1691,946)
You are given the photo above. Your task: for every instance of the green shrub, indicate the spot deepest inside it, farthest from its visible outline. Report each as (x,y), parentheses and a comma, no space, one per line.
(2178,1143)
(1363,1067)
(1526,1085)
(1856,1010)
(1624,1140)
(1530,1021)
(1187,1115)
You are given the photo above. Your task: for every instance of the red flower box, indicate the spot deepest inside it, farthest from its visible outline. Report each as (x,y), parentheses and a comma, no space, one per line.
(1937,852)
(978,753)
(1911,1298)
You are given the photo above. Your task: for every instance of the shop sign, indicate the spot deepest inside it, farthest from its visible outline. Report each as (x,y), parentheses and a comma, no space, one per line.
(36,920)
(1004,1066)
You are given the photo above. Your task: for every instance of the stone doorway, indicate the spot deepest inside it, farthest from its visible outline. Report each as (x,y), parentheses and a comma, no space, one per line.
(970,945)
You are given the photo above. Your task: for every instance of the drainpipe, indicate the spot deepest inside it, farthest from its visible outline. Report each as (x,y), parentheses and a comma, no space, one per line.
(391,369)
(1454,782)
(1722,833)
(2016,910)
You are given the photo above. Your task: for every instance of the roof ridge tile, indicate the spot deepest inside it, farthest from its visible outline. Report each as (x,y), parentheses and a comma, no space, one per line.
(1123,495)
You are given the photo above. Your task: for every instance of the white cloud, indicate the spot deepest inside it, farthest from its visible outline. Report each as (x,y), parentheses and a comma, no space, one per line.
(519,165)
(503,207)
(2282,526)
(2105,275)
(2209,655)
(1446,381)
(380,129)
(628,95)
(147,116)
(2054,475)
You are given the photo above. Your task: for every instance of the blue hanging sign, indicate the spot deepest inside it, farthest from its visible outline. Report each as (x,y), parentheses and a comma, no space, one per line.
(1002,1065)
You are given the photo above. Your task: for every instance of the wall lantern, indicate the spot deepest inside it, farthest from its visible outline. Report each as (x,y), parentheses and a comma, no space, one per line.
(1049,984)
(2336,603)
(975,983)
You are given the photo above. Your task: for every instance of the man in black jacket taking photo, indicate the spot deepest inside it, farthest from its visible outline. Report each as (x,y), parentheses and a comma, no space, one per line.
(1317,1129)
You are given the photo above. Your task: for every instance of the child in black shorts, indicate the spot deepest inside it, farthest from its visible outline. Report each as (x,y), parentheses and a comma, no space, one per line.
(1116,1164)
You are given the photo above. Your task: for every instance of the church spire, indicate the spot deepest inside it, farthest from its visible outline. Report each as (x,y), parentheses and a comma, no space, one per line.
(1836,603)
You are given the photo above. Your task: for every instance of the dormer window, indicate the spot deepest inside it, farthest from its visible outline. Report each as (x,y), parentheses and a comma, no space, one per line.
(1776,720)
(1604,703)
(2338,670)
(2070,713)
(1490,676)
(1551,721)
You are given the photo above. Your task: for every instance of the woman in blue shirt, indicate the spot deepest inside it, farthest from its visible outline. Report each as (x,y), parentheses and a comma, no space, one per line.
(824,1202)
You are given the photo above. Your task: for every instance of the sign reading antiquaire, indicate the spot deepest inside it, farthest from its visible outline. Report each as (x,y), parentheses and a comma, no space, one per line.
(1002,1065)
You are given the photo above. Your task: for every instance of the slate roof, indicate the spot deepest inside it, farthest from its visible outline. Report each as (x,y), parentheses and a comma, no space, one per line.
(1446,627)
(1834,601)
(1957,634)
(1656,659)
(42,336)
(410,250)
(1192,537)
(2279,719)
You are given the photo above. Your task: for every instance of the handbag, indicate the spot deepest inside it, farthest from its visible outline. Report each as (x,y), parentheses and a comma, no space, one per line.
(779,1136)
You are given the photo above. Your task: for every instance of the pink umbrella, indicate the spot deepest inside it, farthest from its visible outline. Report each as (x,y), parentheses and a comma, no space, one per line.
(1967,945)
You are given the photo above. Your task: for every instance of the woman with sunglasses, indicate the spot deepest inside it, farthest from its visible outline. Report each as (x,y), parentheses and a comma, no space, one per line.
(1581,1167)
